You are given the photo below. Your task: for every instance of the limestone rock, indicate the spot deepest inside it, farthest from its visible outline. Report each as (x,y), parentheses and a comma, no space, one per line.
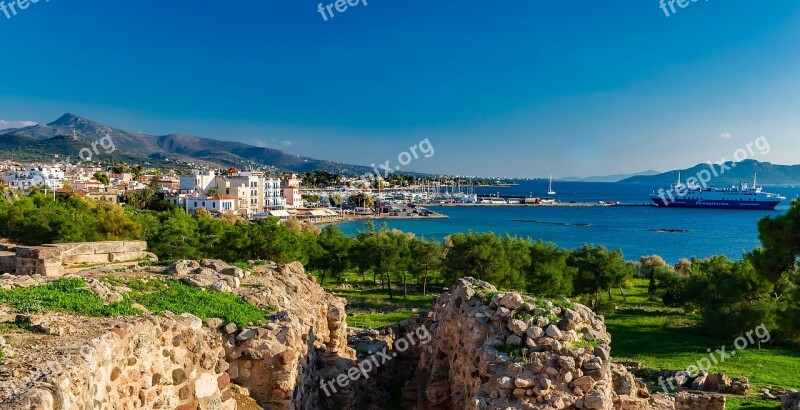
(511,300)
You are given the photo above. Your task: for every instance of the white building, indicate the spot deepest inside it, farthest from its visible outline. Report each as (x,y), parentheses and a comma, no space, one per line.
(214,204)
(51,177)
(248,186)
(273,194)
(199,181)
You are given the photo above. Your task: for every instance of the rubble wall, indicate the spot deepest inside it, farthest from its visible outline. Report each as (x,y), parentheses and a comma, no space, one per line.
(147,362)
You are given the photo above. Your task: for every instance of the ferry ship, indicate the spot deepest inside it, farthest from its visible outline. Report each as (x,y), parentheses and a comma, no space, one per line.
(736,197)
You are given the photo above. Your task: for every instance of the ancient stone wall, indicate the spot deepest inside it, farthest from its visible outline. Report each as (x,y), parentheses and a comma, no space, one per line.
(53,259)
(687,401)
(495,350)
(281,363)
(147,362)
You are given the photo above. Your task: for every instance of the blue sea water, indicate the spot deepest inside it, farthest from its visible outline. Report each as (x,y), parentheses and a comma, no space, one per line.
(710,232)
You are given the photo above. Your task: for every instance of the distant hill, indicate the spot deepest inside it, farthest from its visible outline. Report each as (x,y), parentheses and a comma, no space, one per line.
(768,174)
(610,178)
(69,134)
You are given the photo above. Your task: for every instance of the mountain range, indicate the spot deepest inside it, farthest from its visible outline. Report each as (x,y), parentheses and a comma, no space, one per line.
(68,135)
(610,178)
(730,173)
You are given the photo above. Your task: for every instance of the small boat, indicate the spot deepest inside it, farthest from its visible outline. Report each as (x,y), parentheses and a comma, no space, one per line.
(550,187)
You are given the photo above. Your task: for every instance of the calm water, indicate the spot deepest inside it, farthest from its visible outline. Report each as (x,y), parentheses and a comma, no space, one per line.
(710,232)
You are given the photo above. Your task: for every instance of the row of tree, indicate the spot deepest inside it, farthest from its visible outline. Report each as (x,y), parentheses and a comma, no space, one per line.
(732,296)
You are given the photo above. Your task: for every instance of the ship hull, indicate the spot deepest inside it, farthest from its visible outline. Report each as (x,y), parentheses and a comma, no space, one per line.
(715,204)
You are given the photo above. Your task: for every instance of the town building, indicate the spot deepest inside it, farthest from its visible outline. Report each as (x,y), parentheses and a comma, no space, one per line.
(32,176)
(217,204)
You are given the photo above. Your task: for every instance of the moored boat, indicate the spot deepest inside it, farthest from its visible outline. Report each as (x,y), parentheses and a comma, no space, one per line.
(742,196)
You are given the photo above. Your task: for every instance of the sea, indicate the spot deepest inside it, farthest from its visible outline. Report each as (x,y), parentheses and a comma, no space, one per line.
(671,233)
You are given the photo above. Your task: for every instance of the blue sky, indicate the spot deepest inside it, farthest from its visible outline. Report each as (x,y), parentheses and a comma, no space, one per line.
(510,88)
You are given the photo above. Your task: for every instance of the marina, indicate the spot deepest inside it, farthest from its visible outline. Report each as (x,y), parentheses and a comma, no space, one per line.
(635,227)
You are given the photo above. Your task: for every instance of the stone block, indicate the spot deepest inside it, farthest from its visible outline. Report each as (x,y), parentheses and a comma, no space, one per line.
(86,259)
(72,249)
(109,247)
(126,256)
(50,269)
(135,246)
(23,263)
(39,252)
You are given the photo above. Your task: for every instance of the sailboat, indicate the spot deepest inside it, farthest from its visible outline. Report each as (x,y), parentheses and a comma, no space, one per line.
(550,200)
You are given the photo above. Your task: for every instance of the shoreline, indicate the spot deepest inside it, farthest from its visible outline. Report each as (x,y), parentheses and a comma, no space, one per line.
(355,218)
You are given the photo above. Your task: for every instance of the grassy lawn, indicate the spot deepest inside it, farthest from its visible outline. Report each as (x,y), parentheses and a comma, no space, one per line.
(749,403)
(664,338)
(636,295)
(673,341)
(370,307)
(69,295)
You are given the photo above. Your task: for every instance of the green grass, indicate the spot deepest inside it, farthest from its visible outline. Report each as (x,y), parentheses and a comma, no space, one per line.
(179,298)
(636,294)
(378,320)
(65,295)
(69,295)
(513,352)
(162,262)
(378,299)
(2,354)
(667,338)
(672,340)
(369,306)
(113,281)
(751,403)
(583,343)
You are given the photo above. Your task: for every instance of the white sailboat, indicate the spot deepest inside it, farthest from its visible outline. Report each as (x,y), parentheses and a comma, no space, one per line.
(550,187)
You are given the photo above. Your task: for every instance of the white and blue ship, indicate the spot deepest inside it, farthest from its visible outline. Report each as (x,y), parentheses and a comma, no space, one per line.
(743,196)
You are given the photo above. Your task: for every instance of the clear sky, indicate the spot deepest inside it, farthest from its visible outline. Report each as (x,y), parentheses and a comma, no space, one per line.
(500,88)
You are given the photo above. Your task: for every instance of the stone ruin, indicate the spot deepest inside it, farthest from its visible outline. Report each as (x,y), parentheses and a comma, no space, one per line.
(54,259)
(488,350)
(151,362)
(496,350)
(180,362)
